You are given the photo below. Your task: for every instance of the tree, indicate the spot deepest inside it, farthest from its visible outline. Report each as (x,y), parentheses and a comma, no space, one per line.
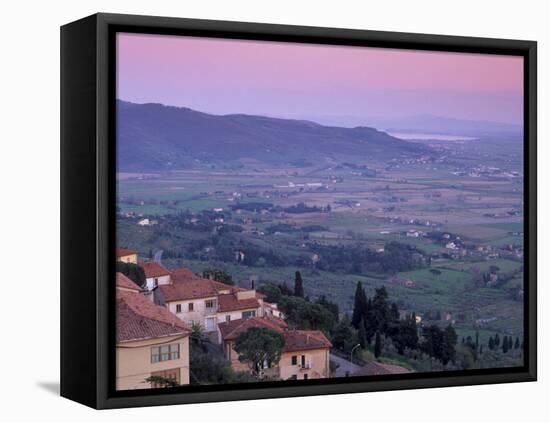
(439,344)
(359,306)
(394,313)
(272,292)
(450,339)
(497,340)
(381,310)
(407,334)
(300,313)
(197,333)
(162,382)
(259,347)
(505,345)
(298,285)
(133,272)
(491,343)
(516,346)
(329,305)
(362,334)
(370,324)
(493,269)
(208,366)
(344,336)
(218,275)
(377,345)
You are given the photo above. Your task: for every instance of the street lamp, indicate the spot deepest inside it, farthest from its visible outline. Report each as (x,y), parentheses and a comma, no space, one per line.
(351,353)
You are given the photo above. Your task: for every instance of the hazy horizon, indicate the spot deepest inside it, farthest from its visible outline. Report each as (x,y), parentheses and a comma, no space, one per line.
(297,81)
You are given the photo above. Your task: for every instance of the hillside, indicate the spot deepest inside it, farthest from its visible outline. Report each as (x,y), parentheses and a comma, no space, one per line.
(154,136)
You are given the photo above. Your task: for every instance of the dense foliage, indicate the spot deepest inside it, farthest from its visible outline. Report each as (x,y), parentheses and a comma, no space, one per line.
(132,271)
(259,347)
(208,365)
(358,259)
(218,275)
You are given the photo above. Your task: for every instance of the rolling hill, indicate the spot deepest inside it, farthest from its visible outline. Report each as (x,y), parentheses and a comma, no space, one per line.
(156,137)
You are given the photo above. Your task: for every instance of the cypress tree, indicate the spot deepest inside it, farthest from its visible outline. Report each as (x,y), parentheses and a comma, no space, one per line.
(370,327)
(394,313)
(516,346)
(298,285)
(505,345)
(377,345)
(491,343)
(359,306)
(381,310)
(362,334)
(497,340)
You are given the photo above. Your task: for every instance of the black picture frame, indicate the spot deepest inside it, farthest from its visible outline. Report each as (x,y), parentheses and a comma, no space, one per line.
(88,208)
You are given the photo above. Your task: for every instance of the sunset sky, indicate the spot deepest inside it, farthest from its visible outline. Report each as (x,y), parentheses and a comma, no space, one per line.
(317,81)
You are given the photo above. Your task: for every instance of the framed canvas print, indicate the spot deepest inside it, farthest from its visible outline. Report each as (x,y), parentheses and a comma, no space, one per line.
(257,211)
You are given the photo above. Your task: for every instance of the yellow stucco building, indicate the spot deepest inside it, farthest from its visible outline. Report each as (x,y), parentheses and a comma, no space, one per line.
(151,341)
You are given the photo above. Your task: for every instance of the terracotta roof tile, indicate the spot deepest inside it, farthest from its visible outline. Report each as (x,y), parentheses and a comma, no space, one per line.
(230,302)
(121,252)
(375,368)
(299,340)
(232,329)
(123,281)
(186,286)
(139,318)
(153,269)
(295,340)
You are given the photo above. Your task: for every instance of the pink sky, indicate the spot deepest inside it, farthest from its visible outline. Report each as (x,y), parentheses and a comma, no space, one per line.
(304,80)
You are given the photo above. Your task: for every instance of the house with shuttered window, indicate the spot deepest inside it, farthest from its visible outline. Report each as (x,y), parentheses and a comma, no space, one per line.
(305,354)
(150,341)
(198,300)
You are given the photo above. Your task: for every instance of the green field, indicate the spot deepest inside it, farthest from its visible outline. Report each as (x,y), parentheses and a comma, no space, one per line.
(367,212)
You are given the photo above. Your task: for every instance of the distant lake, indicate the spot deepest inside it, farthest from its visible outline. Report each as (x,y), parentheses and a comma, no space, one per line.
(421,136)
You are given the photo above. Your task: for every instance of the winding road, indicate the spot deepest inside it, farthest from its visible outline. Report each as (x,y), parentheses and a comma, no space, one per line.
(345,367)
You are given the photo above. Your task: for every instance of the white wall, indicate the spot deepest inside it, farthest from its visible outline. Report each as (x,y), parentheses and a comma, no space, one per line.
(29,172)
(199,313)
(162,280)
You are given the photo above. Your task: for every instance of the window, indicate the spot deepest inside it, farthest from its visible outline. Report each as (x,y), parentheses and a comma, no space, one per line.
(228,351)
(190,306)
(228,318)
(293,377)
(303,361)
(165,353)
(305,376)
(178,308)
(156,282)
(247,314)
(210,324)
(294,360)
(210,303)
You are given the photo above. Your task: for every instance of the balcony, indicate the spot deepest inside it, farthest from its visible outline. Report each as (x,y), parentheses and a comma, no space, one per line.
(305,366)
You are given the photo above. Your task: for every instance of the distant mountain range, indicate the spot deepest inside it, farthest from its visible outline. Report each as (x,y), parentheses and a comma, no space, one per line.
(427,124)
(156,137)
